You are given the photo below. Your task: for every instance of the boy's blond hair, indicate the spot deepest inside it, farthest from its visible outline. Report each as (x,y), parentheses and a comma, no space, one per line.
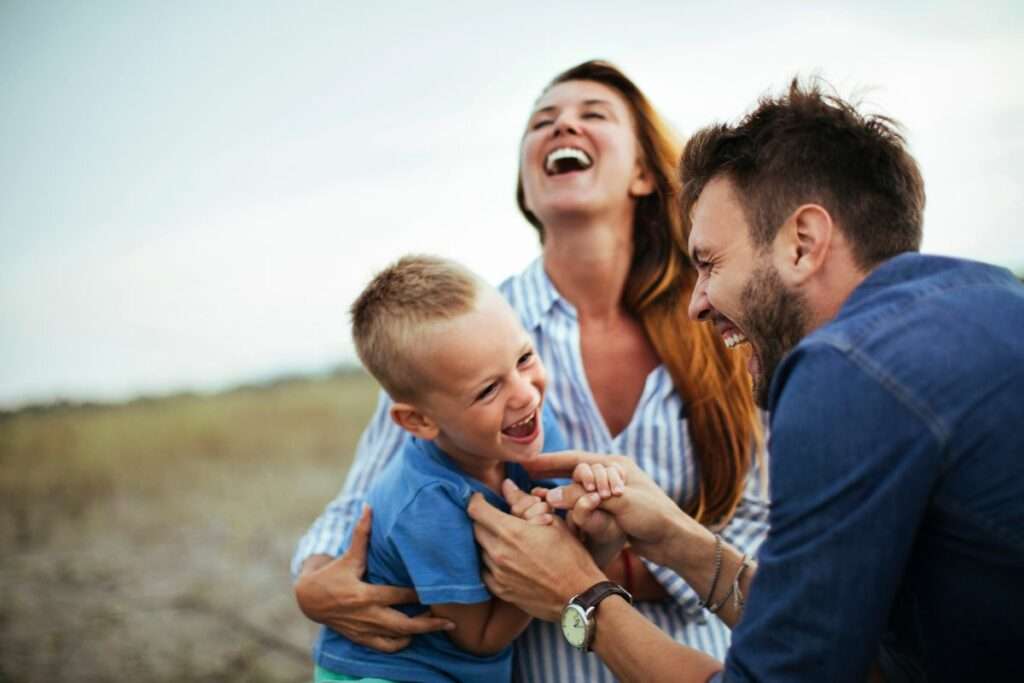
(395,305)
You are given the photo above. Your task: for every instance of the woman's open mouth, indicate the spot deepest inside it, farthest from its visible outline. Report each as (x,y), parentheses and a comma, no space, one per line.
(566,160)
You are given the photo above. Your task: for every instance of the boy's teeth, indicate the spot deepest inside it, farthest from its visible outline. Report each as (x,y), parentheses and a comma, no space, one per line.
(522,428)
(733,339)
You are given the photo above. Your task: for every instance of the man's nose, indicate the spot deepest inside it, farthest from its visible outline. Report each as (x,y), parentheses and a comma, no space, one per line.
(699,308)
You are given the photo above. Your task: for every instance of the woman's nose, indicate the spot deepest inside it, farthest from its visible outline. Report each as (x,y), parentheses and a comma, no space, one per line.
(565,125)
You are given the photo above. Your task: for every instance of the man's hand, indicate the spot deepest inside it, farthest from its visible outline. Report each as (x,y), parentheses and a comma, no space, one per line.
(537,567)
(332,592)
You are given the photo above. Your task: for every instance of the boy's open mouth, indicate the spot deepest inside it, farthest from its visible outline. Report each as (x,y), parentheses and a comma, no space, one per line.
(524,430)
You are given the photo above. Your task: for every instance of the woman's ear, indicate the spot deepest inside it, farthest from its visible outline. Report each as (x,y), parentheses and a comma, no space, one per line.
(643,181)
(409,418)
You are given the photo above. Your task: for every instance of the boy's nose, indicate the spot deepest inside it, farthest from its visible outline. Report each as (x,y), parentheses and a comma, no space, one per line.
(526,390)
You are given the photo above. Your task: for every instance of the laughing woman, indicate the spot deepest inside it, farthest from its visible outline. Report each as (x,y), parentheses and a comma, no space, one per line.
(629,373)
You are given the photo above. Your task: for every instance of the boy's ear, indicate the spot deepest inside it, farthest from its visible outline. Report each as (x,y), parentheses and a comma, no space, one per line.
(409,418)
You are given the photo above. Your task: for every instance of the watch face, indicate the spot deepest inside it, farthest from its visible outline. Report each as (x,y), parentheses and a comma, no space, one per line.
(574,625)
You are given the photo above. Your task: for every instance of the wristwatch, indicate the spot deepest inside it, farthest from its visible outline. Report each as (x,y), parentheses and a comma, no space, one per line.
(578,625)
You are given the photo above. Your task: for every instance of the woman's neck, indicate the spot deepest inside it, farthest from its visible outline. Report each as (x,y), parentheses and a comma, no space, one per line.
(589,264)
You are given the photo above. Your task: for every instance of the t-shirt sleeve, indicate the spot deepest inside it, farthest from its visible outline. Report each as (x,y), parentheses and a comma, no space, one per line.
(554,438)
(434,539)
(851,469)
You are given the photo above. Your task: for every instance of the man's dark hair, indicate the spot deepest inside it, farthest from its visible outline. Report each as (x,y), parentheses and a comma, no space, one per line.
(807,146)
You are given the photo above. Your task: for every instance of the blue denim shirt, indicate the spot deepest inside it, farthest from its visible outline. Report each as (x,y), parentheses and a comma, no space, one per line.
(897,478)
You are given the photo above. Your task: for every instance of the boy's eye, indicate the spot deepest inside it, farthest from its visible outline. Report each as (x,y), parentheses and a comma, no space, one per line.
(526,358)
(487,391)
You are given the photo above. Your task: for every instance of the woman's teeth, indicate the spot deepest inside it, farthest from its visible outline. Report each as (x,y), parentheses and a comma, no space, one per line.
(565,159)
(733,339)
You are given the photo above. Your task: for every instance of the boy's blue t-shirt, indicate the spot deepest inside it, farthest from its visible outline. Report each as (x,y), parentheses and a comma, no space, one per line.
(423,538)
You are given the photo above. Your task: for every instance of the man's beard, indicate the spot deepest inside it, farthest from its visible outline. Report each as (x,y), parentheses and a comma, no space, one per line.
(774,322)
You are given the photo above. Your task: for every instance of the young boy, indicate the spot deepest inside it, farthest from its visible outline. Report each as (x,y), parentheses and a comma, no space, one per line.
(468,387)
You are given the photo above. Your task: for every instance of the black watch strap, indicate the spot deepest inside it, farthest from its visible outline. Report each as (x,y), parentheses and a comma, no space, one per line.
(598,592)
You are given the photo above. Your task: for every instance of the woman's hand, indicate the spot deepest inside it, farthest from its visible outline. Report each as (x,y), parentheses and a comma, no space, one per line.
(537,567)
(332,592)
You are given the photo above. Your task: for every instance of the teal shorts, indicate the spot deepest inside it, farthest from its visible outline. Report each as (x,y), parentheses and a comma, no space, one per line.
(321,674)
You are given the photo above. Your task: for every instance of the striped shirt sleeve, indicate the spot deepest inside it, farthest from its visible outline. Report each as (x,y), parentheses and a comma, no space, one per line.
(381,441)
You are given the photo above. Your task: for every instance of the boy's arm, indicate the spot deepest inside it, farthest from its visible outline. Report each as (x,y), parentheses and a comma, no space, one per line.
(484,628)
(330,590)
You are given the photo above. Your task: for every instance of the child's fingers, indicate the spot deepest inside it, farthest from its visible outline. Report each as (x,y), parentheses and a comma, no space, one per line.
(540,492)
(539,513)
(584,509)
(601,481)
(616,480)
(584,476)
(542,520)
(538,508)
(523,504)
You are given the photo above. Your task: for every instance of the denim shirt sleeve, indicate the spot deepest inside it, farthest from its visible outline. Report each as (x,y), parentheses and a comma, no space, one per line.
(851,470)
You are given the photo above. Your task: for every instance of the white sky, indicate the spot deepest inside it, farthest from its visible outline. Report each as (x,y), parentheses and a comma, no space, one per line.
(192,193)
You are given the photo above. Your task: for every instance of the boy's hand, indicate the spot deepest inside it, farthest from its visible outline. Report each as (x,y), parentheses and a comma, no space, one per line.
(332,592)
(651,520)
(531,507)
(606,481)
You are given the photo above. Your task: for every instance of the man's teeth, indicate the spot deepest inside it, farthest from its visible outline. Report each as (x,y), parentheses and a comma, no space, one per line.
(578,155)
(733,339)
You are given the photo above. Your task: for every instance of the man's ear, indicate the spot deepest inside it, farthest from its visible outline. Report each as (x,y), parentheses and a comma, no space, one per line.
(409,418)
(803,243)
(643,182)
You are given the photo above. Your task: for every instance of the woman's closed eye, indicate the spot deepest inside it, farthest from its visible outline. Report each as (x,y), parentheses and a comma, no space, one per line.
(525,359)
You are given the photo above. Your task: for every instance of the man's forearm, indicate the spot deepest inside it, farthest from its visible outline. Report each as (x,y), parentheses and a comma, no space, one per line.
(638,651)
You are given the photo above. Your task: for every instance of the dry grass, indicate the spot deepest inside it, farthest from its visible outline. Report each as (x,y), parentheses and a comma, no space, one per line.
(150,540)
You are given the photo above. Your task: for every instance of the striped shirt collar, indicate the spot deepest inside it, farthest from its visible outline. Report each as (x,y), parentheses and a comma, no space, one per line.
(544,295)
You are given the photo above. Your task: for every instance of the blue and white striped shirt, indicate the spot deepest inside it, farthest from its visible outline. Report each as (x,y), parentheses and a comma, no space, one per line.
(656,438)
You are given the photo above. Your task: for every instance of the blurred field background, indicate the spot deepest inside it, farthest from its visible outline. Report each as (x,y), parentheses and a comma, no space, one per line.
(150,540)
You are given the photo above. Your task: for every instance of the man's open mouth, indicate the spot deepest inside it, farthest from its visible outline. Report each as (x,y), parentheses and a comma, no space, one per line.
(567,160)
(524,429)
(733,339)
